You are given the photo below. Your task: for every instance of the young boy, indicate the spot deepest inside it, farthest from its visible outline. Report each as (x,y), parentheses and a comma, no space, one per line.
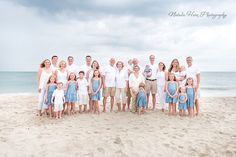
(83,92)
(58,100)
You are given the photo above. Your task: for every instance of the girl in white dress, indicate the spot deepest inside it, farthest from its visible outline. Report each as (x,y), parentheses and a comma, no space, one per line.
(161,80)
(43,75)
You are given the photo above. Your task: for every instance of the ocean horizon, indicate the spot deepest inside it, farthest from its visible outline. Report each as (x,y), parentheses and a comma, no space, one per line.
(213,84)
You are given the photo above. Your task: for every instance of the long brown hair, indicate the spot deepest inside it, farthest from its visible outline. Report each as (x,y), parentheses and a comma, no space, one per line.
(50,79)
(42,65)
(99,75)
(72,74)
(97,64)
(169,77)
(171,65)
(190,78)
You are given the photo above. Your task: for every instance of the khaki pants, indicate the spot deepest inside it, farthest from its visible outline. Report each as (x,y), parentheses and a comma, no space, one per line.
(120,95)
(133,101)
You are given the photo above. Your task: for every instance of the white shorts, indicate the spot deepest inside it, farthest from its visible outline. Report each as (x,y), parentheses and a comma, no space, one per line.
(83,99)
(120,95)
(58,107)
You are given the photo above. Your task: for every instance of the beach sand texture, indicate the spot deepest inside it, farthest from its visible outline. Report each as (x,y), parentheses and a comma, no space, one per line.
(212,133)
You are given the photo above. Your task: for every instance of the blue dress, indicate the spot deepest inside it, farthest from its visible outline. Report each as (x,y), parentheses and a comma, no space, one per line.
(141,99)
(190,94)
(95,86)
(71,95)
(182,103)
(172,88)
(51,89)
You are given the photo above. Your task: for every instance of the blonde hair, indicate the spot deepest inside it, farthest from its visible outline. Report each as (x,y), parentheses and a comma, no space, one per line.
(61,62)
(142,85)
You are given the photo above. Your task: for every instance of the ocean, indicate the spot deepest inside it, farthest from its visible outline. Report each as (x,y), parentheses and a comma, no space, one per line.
(218,84)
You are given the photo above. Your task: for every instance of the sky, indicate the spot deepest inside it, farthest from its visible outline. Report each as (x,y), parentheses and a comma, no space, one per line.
(31,31)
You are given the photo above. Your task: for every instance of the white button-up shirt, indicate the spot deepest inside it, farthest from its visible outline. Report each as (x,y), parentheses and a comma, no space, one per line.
(135,81)
(121,78)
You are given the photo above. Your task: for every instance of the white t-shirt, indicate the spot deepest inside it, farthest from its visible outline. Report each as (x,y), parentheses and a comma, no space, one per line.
(192,72)
(121,78)
(83,86)
(73,68)
(135,81)
(150,71)
(110,74)
(58,96)
(53,68)
(85,68)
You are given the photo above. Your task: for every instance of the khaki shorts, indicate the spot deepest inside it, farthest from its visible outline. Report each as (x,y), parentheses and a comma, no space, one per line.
(108,91)
(151,86)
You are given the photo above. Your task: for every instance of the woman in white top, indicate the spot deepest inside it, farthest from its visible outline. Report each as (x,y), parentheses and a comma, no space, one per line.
(62,73)
(43,75)
(161,77)
(121,83)
(62,76)
(135,79)
(175,68)
(89,75)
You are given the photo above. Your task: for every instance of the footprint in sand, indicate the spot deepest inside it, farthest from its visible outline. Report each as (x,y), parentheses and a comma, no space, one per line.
(120,153)
(101,150)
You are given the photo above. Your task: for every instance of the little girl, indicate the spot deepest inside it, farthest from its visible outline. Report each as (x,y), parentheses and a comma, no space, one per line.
(182,101)
(58,100)
(141,99)
(71,93)
(171,89)
(95,86)
(51,86)
(191,96)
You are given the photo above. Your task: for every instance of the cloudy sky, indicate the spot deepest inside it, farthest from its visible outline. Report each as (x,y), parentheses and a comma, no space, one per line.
(31,30)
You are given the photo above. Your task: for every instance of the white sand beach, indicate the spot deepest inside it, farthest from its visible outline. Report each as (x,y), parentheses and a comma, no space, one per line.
(212,133)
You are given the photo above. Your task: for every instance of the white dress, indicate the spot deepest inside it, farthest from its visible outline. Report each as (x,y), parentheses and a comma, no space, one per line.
(62,77)
(160,76)
(42,85)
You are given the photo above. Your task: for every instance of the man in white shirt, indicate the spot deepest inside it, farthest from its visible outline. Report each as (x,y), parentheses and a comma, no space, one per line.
(108,76)
(87,66)
(150,73)
(72,68)
(53,66)
(193,72)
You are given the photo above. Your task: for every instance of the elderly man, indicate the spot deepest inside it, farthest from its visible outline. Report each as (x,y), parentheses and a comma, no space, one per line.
(193,72)
(150,73)
(108,76)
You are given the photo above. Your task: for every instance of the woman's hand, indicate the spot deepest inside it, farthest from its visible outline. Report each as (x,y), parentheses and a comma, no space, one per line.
(39,90)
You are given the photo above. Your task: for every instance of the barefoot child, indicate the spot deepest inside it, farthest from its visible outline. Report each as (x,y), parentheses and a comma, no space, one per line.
(171,93)
(71,93)
(182,101)
(95,86)
(51,86)
(141,99)
(191,96)
(82,92)
(58,100)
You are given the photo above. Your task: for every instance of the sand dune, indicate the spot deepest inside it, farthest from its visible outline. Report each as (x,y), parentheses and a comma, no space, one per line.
(212,133)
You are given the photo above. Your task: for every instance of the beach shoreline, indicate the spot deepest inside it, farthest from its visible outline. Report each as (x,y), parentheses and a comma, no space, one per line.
(212,133)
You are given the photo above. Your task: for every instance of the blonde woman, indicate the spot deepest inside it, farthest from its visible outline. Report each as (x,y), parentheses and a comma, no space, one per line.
(121,83)
(62,76)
